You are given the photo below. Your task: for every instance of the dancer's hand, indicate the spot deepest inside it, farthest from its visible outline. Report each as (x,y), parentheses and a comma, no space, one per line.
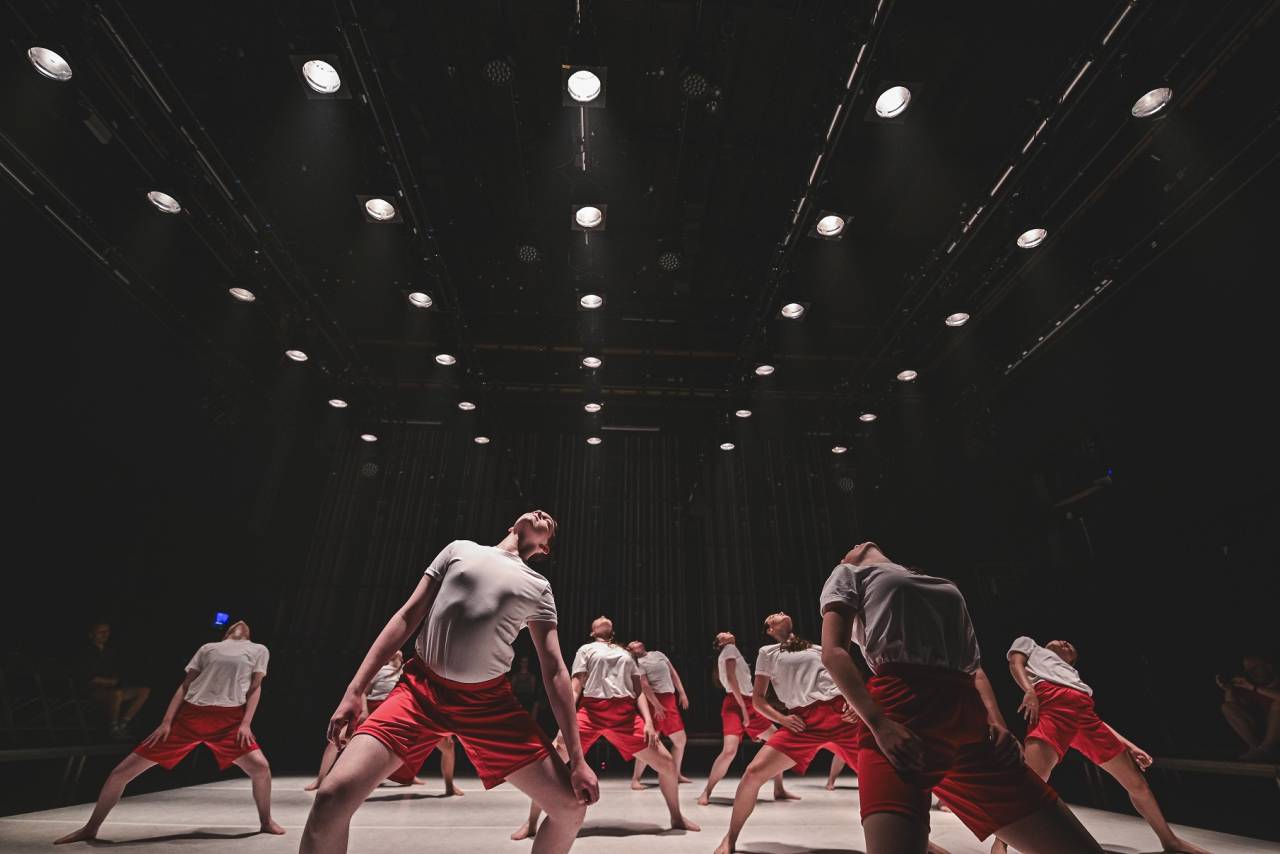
(1241,682)
(1008,748)
(902,747)
(340,724)
(158,736)
(793,723)
(746,714)
(650,735)
(244,736)
(659,713)
(586,788)
(1140,756)
(684,700)
(1030,706)
(848,715)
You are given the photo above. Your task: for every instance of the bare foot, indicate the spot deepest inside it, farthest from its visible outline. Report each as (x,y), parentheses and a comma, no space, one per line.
(525,831)
(84,834)
(1182,846)
(998,847)
(683,823)
(831,785)
(269,826)
(312,786)
(637,785)
(724,847)
(684,779)
(784,795)
(453,792)
(418,781)
(704,800)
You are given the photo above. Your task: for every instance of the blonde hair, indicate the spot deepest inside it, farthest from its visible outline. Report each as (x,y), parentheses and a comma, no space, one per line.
(593,628)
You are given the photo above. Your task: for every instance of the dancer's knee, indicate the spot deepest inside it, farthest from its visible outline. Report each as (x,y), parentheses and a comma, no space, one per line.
(567,810)
(335,797)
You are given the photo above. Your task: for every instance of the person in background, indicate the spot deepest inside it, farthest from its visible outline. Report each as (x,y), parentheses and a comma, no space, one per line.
(1251,705)
(666,695)
(99,672)
(527,687)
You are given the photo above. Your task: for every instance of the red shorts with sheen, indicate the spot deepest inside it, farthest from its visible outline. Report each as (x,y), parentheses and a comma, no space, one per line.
(1067,719)
(961,766)
(405,774)
(672,723)
(731,722)
(497,733)
(213,726)
(616,719)
(823,727)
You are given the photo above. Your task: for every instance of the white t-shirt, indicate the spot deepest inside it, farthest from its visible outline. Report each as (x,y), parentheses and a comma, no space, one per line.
(743,670)
(487,595)
(383,681)
(610,670)
(798,678)
(656,668)
(1044,665)
(901,617)
(224,671)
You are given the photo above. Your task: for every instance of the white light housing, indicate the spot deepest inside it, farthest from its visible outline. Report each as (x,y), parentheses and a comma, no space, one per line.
(49,64)
(867,417)
(793,311)
(830,225)
(593,407)
(466,406)
(445,359)
(907,375)
(1032,238)
(1152,102)
(164,202)
(583,86)
(368,437)
(380,209)
(590,301)
(839,449)
(893,102)
(764,370)
(959,318)
(242,294)
(337,403)
(727,446)
(591,362)
(321,76)
(419,299)
(296,355)
(594,440)
(481,440)
(743,413)
(588,216)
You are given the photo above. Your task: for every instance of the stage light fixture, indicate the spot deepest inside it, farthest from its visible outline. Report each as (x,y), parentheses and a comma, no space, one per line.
(527,253)
(337,403)
(792,311)
(369,437)
(296,355)
(839,449)
(591,301)
(321,76)
(829,226)
(764,370)
(380,210)
(694,86)
(584,86)
(466,406)
(481,440)
(498,72)
(445,359)
(591,362)
(727,446)
(593,407)
(420,300)
(49,64)
(958,318)
(669,262)
(743,413)
(867,417)
(893,102)
(1032,237)
(242,294)
(594,440)
(164,202)
(1152,102)
(588,216)
(907,375)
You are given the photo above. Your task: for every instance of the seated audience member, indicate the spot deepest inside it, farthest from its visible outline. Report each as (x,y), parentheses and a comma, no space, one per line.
(100,680)
(1251,705)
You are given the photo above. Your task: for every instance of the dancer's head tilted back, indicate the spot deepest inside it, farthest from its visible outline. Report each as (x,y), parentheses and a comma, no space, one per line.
(723,639)
(535,531)
(636,648)
(1064,650)
(239,630)
(778,626)
(863,553)
(602,629)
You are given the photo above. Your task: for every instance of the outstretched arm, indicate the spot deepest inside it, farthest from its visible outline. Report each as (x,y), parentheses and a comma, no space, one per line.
(640,687)
(681,696)
(1030,705)
(1007,746)
(760,701)
(562,694)
(244,735)
(1139,755)
(731,676)
(175,702)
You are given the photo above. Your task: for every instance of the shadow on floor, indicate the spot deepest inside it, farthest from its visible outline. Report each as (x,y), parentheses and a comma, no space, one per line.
(785,848)
(175,837)
(623,828)
(408,796)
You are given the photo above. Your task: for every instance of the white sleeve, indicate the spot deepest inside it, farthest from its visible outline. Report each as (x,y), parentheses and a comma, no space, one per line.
(729,651)
(765,661)
(441,563)
(197,661)
(260,666)
(545,610)
(1024,645)
(660,658)
(580,661)
(843,587)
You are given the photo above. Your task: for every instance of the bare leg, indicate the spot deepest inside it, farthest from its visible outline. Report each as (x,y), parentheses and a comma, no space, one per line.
(254,763)
(137,696)
(661,761)
(1243,723)
(530,827)
(1040,758)
(1050,830)
(678,742)
(547,784)
(130,767)
(327,759)
(720,767)
(1269,747)
(780,792)
(767,763)
(837,765)
(1127,774)
(891,833)
(448,761)
(636,773)
(364,764)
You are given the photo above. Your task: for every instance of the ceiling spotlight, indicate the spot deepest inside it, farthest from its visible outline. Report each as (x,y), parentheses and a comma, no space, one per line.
(591,301)
(893,102)
(49,64)
(669,261)
(321,76)
(839,449)
(694,86)
(337,403)
(591,362)
(380,210)
(764,370)
(420,299)
(594,440)
(445,359)
(792,311)
(588,216)
(583,86)
(743,413)
(466,406)
(481,440)
(593,407)
(242,294)
(164,202)
(1032,238)
(296,355)
(527,253)
(867,417)
(368,437)
(1148,105)
(959,318)
(830,225)
(907,375)
(497,71)
(727,446)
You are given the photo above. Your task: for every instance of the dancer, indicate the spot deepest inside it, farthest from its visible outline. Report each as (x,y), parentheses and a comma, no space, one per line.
(213,706)
(614,707)
(1058,706)
(662,686)
(930,719)
(837,766)
(1251,705)
(469,606)
(737,716)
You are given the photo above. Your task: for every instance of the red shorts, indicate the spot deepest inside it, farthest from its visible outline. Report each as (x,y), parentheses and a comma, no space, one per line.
(616,719)
(1067,719)
(672,723)
(960,763)
(405,774)
(823,727)
(497,733)
(731,722)
(213,726)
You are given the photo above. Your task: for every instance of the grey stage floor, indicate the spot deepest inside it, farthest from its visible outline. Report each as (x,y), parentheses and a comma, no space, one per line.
(219,817)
